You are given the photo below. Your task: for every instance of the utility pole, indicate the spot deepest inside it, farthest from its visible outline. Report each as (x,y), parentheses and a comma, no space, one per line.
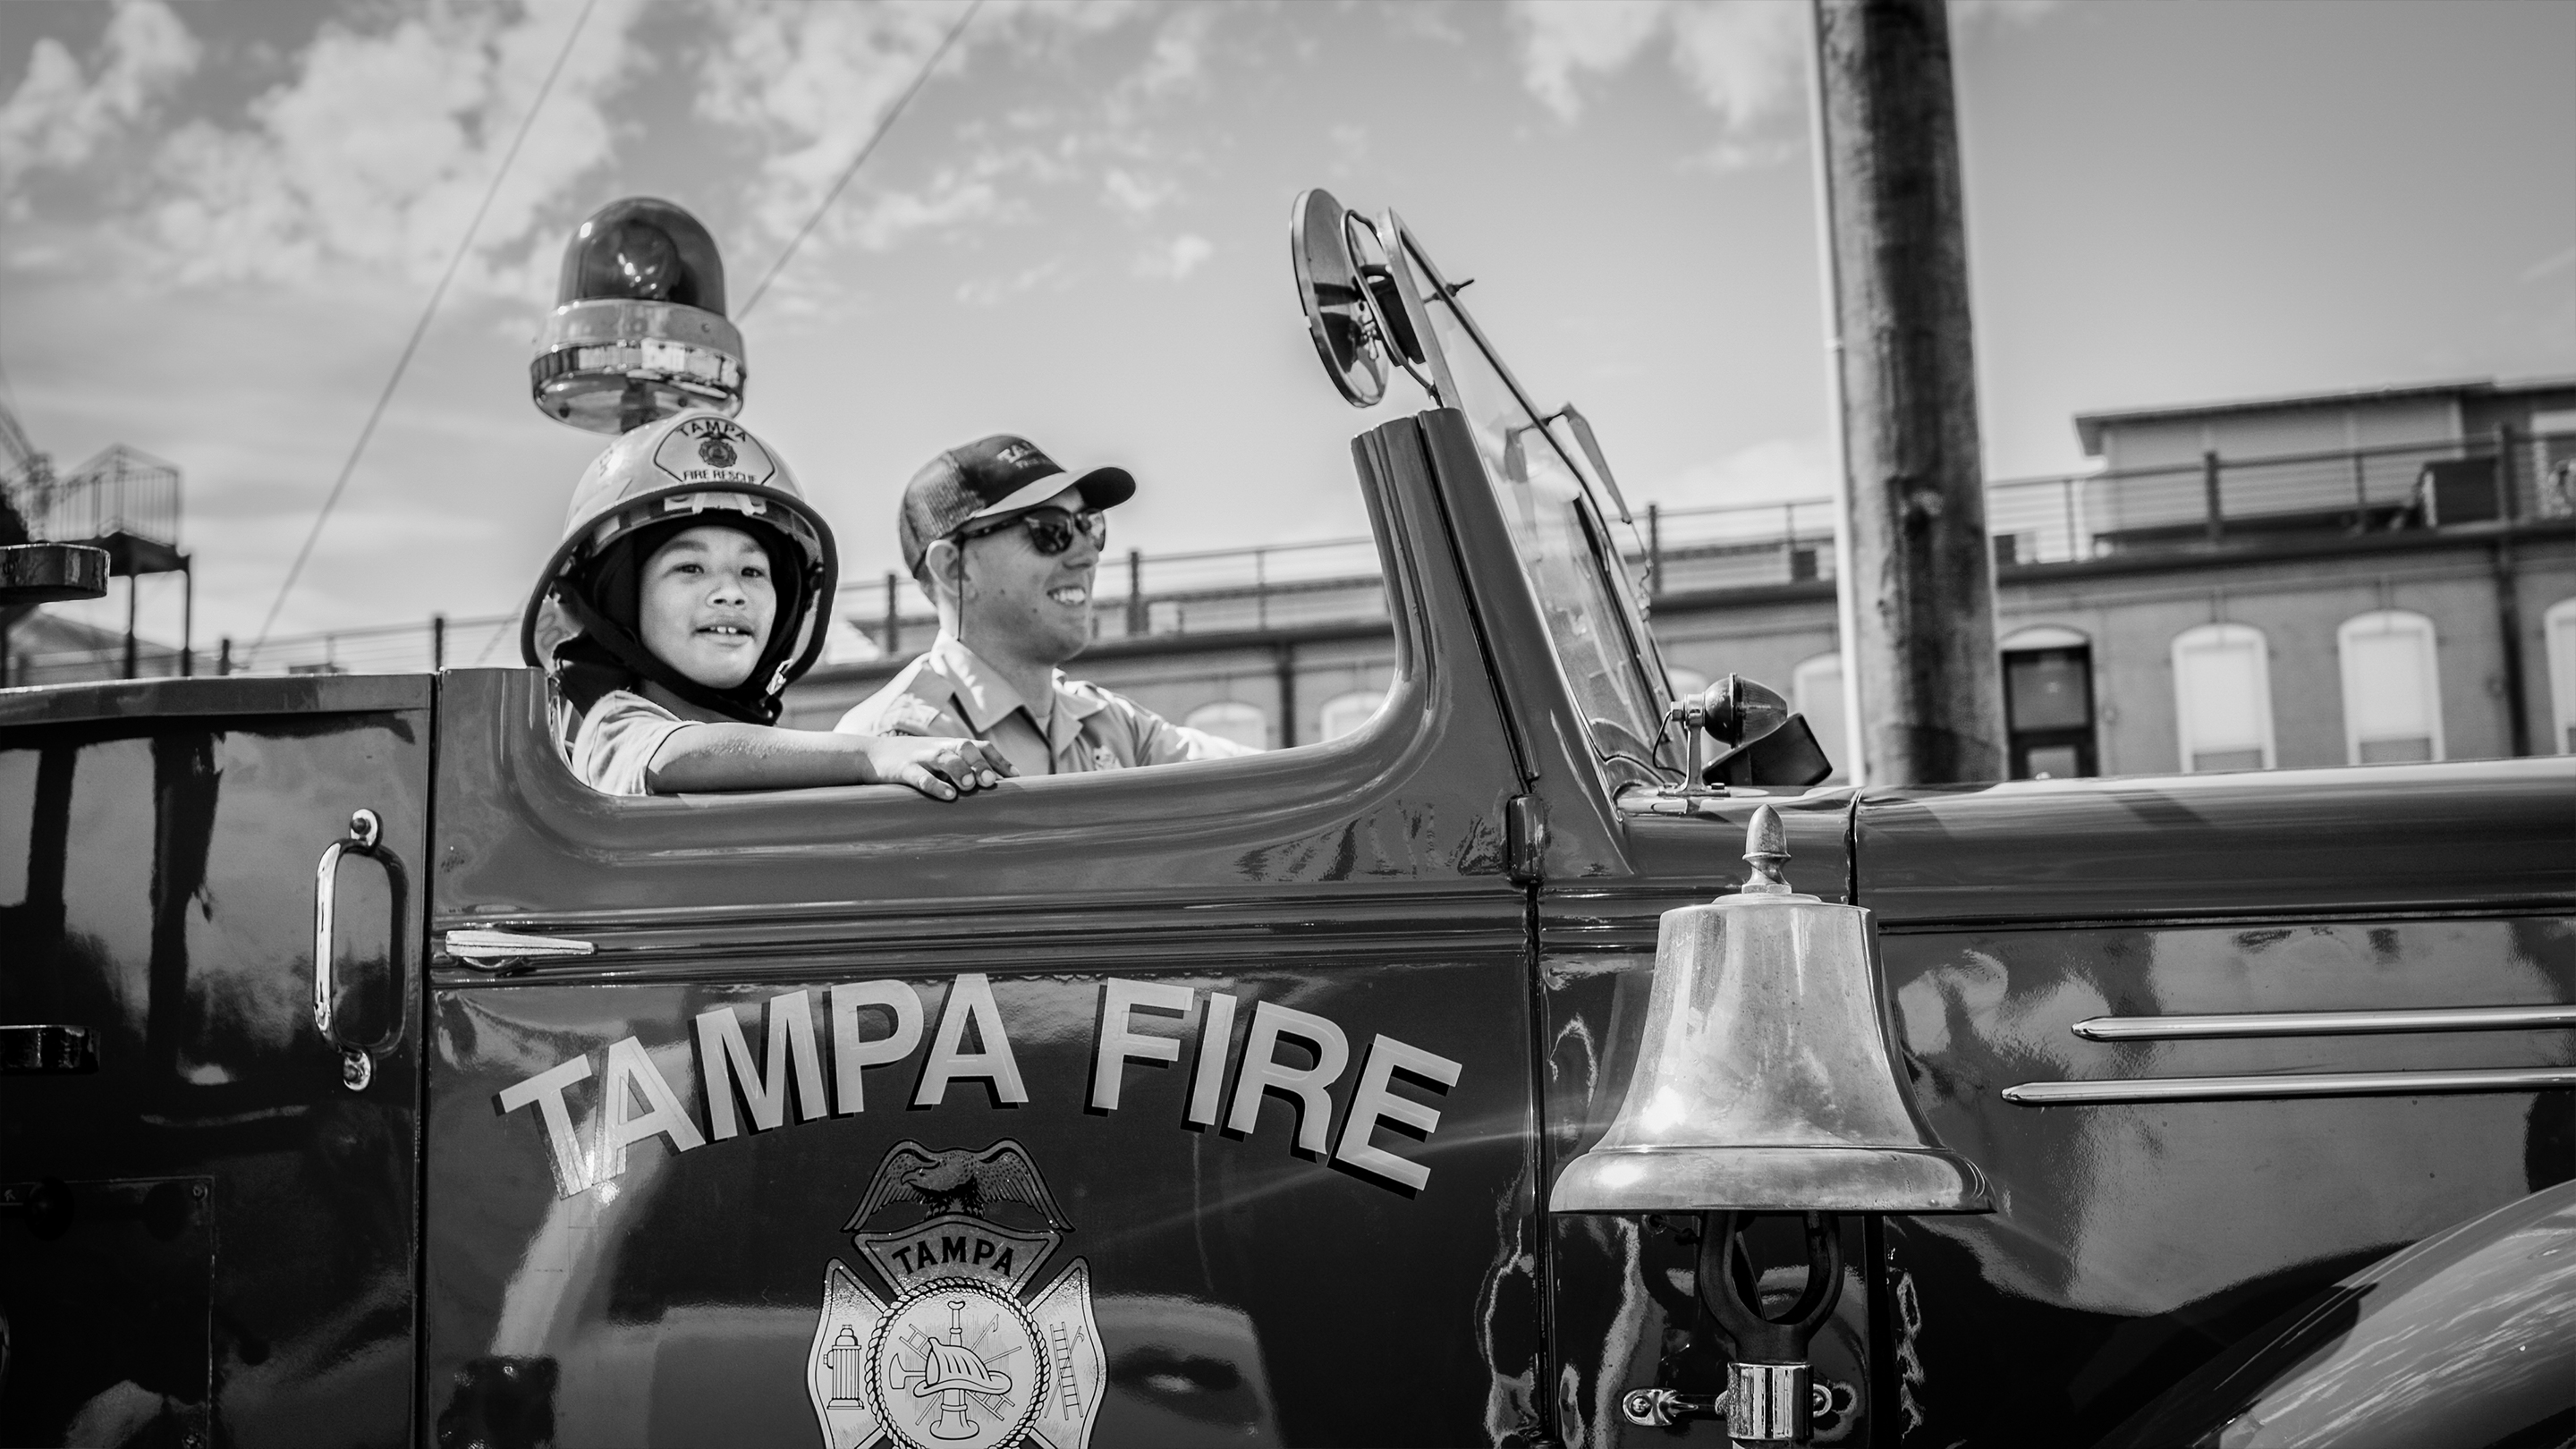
(1916,578)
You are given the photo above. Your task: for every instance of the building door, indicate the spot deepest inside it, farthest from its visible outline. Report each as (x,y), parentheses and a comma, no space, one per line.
(2048,709)
(206,1225)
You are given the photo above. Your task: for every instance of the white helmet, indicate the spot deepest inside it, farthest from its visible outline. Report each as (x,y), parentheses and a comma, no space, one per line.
(698,467)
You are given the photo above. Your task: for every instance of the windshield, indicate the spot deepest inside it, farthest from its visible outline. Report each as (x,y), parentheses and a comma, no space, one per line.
(1597,630)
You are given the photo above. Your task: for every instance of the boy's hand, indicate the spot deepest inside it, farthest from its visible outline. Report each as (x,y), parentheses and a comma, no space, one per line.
(942,769)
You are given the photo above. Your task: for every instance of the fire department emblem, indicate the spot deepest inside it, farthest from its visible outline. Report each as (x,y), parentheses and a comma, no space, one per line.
(711,450)
(961,1356)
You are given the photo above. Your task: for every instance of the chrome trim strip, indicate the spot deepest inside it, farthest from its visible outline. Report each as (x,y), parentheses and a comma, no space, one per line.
(488,950)
(2308,1084)
(2326,1023)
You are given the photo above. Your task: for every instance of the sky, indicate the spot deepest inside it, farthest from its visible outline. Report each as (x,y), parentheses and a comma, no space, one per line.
(219,223)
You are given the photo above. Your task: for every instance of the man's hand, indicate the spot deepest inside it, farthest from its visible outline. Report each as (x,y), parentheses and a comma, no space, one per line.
(942,769)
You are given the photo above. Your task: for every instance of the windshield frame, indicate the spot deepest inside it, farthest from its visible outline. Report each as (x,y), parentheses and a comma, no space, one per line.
(1643,651)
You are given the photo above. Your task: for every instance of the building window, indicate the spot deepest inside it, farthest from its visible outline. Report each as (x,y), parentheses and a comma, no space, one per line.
(2553,462)
(1816,691)
(2392,694)
(2223,697)
(1232,719)
(2558,626)
(2048,704)
(1344,713)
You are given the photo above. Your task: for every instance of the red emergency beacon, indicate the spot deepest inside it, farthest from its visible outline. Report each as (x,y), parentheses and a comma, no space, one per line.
(639,331)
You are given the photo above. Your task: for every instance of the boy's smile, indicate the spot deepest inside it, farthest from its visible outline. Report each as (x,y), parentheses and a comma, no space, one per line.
(708,603)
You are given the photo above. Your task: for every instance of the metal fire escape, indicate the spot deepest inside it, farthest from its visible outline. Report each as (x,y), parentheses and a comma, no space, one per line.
(123,501)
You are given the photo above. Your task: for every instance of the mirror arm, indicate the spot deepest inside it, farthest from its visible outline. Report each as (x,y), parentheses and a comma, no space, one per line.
(1593,455)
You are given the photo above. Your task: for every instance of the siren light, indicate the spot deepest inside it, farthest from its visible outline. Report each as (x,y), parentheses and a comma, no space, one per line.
(638,332)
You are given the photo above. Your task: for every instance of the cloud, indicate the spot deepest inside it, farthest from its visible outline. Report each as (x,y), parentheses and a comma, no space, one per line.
(1741,58)
(1179,55)
(953,198)
(807,85)
(992,291)
(59,116)
(1424,20)
(1176,259)
(379,147)
(2550,266)
(1744,59)
(1138,196)
(1561,38)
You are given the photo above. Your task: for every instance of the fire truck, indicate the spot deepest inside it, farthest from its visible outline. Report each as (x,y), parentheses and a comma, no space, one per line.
(371,1080)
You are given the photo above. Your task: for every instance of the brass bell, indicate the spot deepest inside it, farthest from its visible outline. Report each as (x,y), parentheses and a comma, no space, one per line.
(1766,1082)
(1767,1077)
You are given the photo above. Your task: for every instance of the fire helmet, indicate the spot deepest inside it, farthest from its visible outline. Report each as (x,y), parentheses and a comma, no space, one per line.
(699,467)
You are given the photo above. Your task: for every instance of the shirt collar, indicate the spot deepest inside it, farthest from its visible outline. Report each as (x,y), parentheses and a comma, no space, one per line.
(985,700)
(982,697)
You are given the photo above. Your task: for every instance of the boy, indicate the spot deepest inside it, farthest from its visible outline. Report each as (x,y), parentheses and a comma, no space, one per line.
(691,587)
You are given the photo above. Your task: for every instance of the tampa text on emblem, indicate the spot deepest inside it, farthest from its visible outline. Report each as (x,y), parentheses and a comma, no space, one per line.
(961,1356)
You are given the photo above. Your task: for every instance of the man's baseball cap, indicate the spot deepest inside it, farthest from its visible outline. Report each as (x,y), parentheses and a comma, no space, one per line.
(990,477)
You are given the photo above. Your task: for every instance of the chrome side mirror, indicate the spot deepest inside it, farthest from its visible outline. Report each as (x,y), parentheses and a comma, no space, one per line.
(1761,741)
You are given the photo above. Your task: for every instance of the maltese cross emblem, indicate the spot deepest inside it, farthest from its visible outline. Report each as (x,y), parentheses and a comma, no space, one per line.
(960,1356)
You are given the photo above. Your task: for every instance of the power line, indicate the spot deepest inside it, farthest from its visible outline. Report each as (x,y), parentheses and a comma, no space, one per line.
(884,125)
(421,328)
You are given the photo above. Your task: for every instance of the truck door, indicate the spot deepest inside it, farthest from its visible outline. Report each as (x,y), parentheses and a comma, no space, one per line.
(2217,1041)
(206,1203)
(1164,1106)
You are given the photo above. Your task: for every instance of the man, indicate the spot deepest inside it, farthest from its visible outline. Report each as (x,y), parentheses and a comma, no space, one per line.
(1005,542)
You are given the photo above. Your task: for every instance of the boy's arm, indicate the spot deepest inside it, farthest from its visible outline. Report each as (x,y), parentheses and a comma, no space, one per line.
(759,757)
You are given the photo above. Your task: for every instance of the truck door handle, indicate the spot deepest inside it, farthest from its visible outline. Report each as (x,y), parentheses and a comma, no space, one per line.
(487,950)
(366,837)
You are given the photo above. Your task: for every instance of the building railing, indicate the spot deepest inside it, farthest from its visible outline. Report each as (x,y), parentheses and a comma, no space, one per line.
(1213,591)
(2214,505)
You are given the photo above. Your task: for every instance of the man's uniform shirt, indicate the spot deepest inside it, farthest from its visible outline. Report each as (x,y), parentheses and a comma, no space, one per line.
(617,740)
(949,691)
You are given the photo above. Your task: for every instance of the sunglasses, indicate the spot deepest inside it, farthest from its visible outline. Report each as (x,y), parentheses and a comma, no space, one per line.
(1050,530)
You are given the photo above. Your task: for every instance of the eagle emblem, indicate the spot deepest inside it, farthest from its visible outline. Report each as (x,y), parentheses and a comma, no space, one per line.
(961,1355)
